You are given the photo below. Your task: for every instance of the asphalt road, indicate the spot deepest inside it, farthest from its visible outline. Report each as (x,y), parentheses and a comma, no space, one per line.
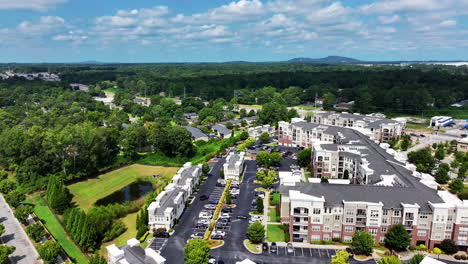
(14,235)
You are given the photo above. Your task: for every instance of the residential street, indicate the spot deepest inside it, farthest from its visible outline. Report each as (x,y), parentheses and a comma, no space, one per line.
(25,252)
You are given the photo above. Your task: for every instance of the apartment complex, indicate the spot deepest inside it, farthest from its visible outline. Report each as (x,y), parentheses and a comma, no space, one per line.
(255,132)
(170,203)
(133,253)
(376,192)
(375,126)
(234,165)
(462,145)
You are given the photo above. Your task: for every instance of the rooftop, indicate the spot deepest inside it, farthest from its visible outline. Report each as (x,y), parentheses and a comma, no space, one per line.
(221,129)
(196,133)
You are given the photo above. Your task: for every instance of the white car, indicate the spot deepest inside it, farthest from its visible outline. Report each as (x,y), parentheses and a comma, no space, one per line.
(225,215)
(205,215)
(219,232)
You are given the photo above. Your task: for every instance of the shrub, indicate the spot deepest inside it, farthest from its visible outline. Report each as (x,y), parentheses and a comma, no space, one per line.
(256,233)
(23,212)
(363,243)
(49,251)
(35,231)
(14,198)
(397,238)
(448,246)
(463,257)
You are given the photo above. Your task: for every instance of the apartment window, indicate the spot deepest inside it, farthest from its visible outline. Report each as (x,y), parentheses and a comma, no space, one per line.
(327,158)
(315,228)
(448,235)
(384,221)
(316,220)
(336,227)
(395,221)
(374,213)
(383,229)
(326,237)
(450,217)
(382,239)
(316,211)
(385,212)
(422,224)
(373,231)
(437,237)
(463,230)
(348,229)
(396,213)
(422,233)
(337,217)
(464,220)
(336,235)
(449,226)
(326,218)
(439,227)
(326,228)
(316,238)
(423,215)
(349,211)
(349,220)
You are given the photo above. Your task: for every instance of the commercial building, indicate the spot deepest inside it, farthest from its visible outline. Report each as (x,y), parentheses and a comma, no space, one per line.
(375,126)
(234,165)
(440,121)
(133,253)
(170,203)
(378,190)
(462,145)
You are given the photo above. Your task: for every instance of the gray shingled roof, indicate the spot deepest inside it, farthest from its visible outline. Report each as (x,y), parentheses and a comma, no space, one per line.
(167,200)
(196,133)
(221,129)
(306,125)
(136,255)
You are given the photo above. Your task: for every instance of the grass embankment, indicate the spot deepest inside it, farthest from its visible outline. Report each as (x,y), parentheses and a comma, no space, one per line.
(275,233)
(56,229)
(129,221)
(86,193)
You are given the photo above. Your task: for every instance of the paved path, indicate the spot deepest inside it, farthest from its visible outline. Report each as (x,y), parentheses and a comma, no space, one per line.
(25,252)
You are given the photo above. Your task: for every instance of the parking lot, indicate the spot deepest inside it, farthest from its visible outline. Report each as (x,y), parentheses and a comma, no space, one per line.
(303,252)
(158,243)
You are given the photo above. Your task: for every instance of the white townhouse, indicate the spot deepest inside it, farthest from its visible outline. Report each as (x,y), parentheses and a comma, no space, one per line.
(133,253)
(234,165)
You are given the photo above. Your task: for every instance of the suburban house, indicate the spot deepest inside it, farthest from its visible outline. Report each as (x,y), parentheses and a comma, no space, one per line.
(234,165)
(460,104)
(191,117)
(79,86)
(170,203)
(255,132)
(133,253)
(142,101)
(221,131)
(462,145)
(378,190)
(319,101)
(374,126)
(197,134)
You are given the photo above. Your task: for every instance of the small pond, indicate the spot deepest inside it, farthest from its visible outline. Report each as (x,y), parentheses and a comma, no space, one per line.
(129,193)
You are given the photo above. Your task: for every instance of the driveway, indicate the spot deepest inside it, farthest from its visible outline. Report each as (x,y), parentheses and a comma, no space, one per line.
(25,252)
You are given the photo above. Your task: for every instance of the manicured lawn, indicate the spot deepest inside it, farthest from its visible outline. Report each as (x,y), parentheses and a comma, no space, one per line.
(86,193)
(275,233)
(51,222)
(274,215)
(307,107)
(110,90)
(251,247)
(252,106)
(276,198)
(121,240)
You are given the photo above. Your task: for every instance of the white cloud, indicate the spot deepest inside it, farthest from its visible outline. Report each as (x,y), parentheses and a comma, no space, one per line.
(45,25)
(242,10)
(448,23)
(392,6)
(389,19)
(329,15)
(386,30)
(40,5)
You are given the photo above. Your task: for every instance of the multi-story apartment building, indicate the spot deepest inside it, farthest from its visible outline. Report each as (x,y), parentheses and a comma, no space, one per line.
(382,191)
(234,165)
(170,203)
(255,132)
(376,127)
(133,253)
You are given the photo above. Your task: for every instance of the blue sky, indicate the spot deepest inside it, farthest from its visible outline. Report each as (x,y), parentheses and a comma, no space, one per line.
(221,30)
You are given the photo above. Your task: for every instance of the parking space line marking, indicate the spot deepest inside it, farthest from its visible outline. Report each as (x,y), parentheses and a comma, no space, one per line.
(302,249)
(319,253)
(310,252)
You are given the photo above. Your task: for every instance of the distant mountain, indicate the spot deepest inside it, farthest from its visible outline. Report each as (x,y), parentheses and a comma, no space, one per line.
(329,59)
(91,62)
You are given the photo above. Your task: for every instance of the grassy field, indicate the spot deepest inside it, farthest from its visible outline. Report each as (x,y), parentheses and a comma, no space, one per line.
(121,240)
(275,199)
(275,233)
(110,90)
(274,215)
(86,193)
(51,222)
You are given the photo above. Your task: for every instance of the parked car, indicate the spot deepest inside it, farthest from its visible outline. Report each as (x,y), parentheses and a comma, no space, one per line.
(264,246)
(212,260)
(219,232)
(162,234)
(350,252)
(290,248)
(210,206)
(243,217)
(217,237)
(225,215)
(203,197)
(273,247)
(197,235)
(205,214)
(226,209)
(213,202)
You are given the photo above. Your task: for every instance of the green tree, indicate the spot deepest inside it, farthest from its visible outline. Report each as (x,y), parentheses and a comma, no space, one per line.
(244,135)
(442,176)
(22,213)
(292,95)
(132,139)
(2,230)
(454,164)
(97,259)
(7,186)
(423,157)
(272,113)
(329,99)
(205,167)
(14,198)
(242,113)
(439,153)
(263,158)
(304,157)
(437,251)
(363,243)
(5,251)
(58,195)
(397,238)
(389,260)
(456,186)
(197,251)
(264,137)
(172,141)
(228,198)
(35,231)
(269,179)
(49,251)
(275,158)
(256,233)
(416,259)
(244,124)
(405,143)
(448,246)
(259,204)
(341,257)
